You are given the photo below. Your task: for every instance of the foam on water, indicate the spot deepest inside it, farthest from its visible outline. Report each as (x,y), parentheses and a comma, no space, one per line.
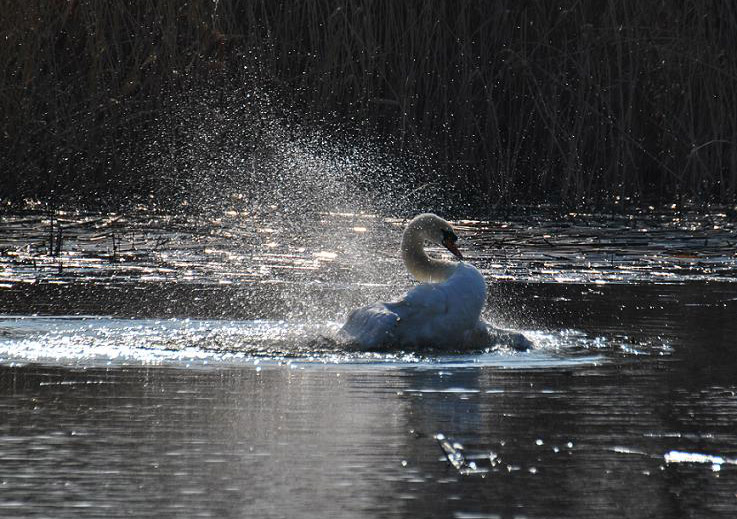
(102,341)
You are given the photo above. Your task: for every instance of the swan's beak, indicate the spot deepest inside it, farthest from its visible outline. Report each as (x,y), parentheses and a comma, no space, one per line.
(450,244)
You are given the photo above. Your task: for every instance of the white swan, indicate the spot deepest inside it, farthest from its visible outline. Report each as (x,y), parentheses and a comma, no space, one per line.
(445,312)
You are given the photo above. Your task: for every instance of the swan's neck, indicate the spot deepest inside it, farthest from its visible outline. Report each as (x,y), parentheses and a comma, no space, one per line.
(420,265)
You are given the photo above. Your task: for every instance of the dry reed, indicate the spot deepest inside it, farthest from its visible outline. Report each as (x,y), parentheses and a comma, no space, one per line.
(572,103)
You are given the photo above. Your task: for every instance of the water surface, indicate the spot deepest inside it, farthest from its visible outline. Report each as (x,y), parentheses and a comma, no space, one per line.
(175,386)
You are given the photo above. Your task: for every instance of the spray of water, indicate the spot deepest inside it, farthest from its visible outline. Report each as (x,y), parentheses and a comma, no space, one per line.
(335,196)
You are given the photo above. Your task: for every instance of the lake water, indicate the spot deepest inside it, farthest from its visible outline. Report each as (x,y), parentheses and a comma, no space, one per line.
(173,367)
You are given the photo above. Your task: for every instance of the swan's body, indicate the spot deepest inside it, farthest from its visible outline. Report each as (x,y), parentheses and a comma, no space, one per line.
(445,312)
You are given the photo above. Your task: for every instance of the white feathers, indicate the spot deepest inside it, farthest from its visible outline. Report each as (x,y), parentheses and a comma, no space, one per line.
(444,314)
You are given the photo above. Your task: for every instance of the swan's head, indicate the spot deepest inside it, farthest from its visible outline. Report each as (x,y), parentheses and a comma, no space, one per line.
(434,229)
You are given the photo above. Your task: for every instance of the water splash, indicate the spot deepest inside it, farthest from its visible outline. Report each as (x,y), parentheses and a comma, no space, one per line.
(104,341)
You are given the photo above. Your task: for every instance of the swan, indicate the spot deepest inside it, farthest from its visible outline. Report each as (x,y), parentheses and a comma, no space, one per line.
(443,312)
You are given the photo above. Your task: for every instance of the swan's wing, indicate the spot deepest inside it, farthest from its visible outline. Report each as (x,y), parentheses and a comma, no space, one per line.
(422,316)
(380,324)
(430,300)
(370,327)
(463,294)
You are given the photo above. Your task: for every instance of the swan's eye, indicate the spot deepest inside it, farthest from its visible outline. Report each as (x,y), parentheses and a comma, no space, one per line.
(449,242)
(449,236)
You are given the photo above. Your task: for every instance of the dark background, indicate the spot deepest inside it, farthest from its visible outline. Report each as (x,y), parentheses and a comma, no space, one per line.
(573,103)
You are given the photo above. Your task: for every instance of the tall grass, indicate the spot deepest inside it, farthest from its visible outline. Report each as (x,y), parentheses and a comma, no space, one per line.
(574,103)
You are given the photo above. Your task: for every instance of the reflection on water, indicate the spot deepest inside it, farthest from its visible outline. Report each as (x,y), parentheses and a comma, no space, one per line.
(206,418)
(335,441)
(626,407)
(251,247)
